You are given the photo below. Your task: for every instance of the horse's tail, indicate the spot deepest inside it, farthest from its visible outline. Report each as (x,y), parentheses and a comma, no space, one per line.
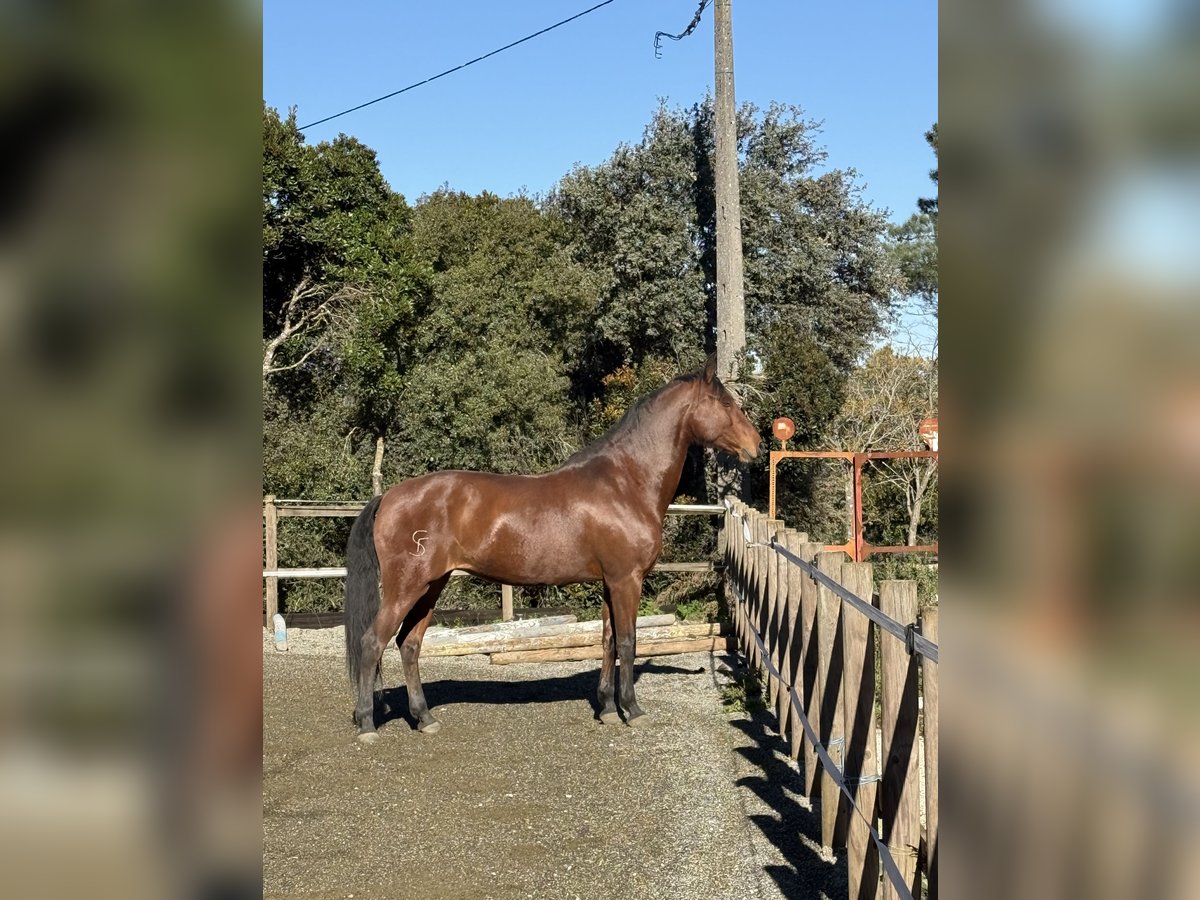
(362,585)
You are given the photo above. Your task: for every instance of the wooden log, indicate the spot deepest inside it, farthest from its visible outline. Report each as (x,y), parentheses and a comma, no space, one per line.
(900,795)
(810,670)
(700,566)
(503,643)
(506,602)
(861,761)
(320,511)
(464,636)
(794,642)
(514,625)
(929,673)
(649,648)
(270,557)
(832,727)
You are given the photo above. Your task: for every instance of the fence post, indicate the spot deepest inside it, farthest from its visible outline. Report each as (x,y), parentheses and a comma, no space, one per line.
(270,556)
(377,468)
(506,602)
(793,643)
(743,575)
(900,797)
(861,761)
(729,558)
(831,731)
(810,663)
(770,630)
(759,590)
(786,628)
(929,673)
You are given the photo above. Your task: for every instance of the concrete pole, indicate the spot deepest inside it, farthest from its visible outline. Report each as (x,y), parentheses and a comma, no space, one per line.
(731,301)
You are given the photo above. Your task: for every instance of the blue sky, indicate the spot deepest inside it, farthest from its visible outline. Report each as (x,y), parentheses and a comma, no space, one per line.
(522,119)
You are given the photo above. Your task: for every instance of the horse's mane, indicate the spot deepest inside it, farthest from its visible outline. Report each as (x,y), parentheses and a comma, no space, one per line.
(630,424)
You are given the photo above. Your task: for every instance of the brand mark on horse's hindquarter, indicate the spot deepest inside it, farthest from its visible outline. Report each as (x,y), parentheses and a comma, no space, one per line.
(418,541)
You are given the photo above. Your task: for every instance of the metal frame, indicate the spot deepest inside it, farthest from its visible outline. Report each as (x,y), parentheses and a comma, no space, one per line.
(857,548)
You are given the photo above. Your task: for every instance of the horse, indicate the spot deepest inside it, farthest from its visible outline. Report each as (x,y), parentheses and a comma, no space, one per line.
(597,517)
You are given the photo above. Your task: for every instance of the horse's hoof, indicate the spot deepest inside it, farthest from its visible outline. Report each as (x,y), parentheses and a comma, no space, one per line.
(610,718)
(368,737)
(430,728)
(638,721)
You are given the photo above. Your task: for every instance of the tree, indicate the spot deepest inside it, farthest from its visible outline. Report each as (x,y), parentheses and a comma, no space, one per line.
(489,388)
(335,253)
(644,221)
(308,315)
(914,243)
(632,221)
(886,399)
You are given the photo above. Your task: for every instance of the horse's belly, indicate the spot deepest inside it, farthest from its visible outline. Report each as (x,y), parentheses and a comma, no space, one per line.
(526,555)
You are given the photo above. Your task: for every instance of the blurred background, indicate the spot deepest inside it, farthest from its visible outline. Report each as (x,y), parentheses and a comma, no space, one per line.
(129,306)
(1070,228)
(129,311)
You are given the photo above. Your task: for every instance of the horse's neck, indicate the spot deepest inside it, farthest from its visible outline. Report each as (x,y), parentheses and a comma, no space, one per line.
(657,452)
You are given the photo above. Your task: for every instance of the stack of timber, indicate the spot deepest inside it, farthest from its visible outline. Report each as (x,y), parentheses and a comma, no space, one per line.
(561,638)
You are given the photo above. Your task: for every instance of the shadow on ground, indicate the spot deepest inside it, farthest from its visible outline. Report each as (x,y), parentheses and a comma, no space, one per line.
(391,704)
(784,816)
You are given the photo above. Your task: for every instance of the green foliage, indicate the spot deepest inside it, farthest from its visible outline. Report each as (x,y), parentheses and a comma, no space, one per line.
(813,256)
(744,693)
(645,221)
(699,609)
(909,567)
(502,334)
(800,382)
(490,408)
(328,215)
(913,244)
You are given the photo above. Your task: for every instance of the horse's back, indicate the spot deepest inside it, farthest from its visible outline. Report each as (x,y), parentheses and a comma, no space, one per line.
(518,529)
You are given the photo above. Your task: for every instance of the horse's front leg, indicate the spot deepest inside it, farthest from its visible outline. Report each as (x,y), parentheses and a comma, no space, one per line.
(608,666)
(626,595)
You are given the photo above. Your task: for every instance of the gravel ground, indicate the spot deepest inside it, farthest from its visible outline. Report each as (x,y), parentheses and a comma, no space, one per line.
(523,793)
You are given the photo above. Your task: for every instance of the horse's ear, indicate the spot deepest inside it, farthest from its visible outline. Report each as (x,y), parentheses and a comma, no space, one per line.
(710,368)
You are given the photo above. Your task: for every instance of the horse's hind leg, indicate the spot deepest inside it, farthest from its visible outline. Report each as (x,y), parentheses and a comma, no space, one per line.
(393,609)
(412,632)
(387,620)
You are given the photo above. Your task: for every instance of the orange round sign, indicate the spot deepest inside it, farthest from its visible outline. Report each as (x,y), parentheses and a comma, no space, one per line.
(783,428)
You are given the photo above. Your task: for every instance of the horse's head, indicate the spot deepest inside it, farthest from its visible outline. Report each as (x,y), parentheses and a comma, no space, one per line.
(718,421)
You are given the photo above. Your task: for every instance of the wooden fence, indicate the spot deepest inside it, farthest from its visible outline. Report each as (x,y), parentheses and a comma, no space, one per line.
(274,510)
(810,621)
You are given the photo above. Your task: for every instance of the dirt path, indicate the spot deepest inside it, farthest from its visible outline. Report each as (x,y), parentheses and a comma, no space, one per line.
(523,793)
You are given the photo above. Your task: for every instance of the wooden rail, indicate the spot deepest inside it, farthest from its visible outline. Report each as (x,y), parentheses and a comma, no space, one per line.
(806,618)
(276,509)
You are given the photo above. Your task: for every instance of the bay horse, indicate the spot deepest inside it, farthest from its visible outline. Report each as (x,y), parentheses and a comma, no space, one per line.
(597,517)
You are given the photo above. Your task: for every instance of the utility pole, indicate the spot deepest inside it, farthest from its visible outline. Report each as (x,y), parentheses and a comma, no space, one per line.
(731,300)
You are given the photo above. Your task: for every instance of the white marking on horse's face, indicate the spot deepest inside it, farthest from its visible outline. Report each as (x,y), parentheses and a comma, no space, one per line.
(419,542)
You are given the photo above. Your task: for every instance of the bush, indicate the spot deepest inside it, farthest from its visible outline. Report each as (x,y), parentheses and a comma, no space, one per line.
(909,567)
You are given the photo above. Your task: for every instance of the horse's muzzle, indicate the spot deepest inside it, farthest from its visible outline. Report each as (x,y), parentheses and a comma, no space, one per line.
(745,454)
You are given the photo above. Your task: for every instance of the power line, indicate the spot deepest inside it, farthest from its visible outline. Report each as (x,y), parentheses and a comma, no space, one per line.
(472,62)
(659,35)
